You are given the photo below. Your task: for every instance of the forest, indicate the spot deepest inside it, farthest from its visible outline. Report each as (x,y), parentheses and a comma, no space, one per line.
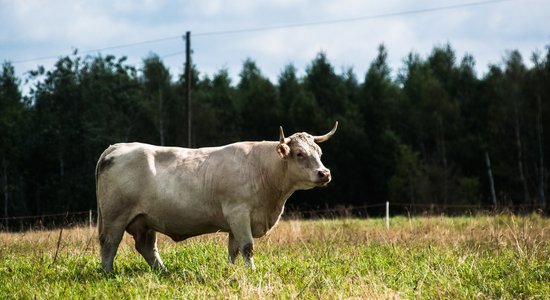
(433,133)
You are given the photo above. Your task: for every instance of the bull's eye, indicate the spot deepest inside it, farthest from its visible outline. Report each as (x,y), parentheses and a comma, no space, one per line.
(299,155)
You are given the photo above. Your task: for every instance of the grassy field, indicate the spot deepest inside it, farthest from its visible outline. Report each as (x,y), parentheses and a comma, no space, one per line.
(483,257)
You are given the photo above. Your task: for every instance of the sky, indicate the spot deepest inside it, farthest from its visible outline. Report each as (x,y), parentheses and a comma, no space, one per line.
(272,33)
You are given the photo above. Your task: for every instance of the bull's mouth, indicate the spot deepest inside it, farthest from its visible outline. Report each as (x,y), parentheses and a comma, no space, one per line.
(322,182)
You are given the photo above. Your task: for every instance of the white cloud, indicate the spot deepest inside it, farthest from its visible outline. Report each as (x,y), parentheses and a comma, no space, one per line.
(34,28)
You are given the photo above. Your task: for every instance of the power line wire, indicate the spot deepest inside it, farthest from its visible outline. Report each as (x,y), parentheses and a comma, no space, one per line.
(275,27)
(105,48)
(348,20)
(173,54)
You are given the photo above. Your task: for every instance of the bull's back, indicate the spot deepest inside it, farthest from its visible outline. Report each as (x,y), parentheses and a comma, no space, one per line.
(135,170)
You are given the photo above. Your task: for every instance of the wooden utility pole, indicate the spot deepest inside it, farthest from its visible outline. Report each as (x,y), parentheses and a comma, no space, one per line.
(540,139)
(188,82)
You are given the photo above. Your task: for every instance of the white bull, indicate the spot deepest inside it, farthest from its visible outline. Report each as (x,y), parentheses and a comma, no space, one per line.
(239,188)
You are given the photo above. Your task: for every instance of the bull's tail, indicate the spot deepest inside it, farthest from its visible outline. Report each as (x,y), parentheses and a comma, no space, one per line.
(100,234)
(100,163)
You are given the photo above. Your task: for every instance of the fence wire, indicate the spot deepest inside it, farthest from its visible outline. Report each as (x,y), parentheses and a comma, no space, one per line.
(89,217)
(47,221)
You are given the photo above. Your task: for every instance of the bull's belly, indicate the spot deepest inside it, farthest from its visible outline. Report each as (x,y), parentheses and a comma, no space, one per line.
(180,235)
(181,223)
(180,231)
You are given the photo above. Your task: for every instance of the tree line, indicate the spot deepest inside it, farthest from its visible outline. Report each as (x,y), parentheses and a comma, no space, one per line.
(434,134)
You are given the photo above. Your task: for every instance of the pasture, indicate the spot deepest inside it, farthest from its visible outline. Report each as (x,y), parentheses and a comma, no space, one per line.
(481,257)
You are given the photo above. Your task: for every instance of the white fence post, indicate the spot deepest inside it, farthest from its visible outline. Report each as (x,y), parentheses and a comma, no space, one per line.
(387,215)
(90,218)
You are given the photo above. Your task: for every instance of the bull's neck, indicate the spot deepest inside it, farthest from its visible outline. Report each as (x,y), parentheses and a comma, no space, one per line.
(273,172)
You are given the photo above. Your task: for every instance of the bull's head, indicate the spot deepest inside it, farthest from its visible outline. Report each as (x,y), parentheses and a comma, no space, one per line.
(303,155)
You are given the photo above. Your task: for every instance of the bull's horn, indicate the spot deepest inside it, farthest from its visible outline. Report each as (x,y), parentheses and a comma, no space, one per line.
(281,135)
(323,138)
(282,138)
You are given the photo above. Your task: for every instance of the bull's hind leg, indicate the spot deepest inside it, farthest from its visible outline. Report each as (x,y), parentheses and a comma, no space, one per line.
(109,240)
(146,245)
(146,242)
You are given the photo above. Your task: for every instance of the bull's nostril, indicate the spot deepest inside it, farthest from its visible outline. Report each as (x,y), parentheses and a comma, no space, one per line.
(323,173)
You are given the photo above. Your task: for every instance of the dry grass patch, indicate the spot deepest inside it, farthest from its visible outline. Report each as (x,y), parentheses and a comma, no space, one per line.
(478,257)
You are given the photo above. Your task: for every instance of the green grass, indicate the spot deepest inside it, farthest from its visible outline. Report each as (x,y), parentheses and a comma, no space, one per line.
(481,257)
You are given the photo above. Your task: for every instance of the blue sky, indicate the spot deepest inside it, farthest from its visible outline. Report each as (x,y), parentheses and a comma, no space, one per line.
(33,29)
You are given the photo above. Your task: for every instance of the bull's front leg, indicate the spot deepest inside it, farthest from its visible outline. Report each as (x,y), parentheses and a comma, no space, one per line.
(240,237)
(233,248)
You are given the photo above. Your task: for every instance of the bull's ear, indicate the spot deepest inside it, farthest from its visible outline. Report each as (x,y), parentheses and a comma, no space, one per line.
(283,150)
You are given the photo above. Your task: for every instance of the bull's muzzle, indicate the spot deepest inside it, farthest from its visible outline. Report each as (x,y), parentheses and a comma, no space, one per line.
(323,176)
